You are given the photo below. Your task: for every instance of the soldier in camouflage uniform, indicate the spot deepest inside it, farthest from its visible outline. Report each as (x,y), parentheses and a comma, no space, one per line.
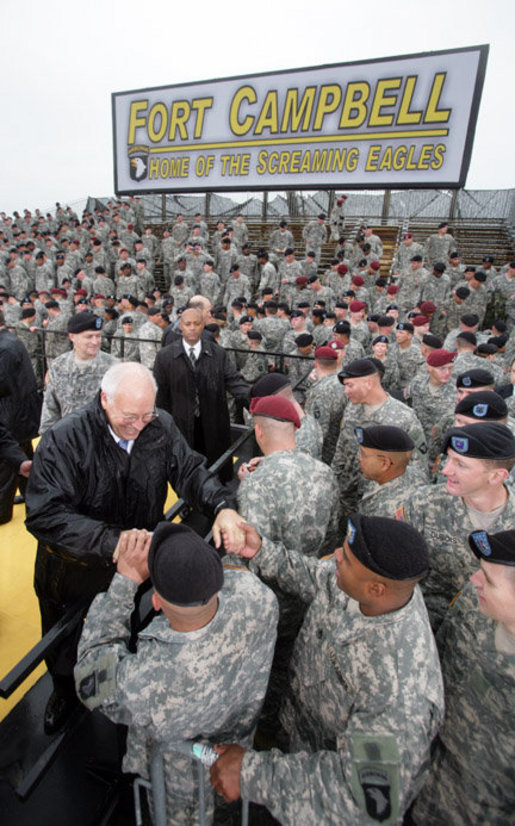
(384,453)
(433,398)
(309,436)
(314,235)
(257,363)
(405,253)
(289,271)
(180,232)
(201,667)
(57,342)
(150,333)
(325,399)
(248,263)
(471,777)
(440,245)
(479,459)
(28,333)
(410,283)
(74,378)
(366,694)
(268,274)
(272,328)
(370,404)
(294,499)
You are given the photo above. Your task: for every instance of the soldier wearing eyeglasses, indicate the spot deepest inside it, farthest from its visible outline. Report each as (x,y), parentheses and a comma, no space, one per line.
(99,472)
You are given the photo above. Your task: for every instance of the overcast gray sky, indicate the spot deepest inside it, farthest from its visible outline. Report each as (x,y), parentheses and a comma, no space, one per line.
(60,61)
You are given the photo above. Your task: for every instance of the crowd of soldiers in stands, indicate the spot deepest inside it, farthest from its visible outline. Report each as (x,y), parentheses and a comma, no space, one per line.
(428,348)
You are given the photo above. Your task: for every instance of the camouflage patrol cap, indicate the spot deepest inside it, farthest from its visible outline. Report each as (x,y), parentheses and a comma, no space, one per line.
(494,547)
(484,440)
(484,405)
(183,568)
(391,549)
(84,321)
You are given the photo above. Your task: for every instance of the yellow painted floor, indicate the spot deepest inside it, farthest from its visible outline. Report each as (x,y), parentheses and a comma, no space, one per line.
(19,611)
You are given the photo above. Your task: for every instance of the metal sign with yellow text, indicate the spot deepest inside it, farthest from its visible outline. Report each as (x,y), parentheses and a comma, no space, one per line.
(392,123)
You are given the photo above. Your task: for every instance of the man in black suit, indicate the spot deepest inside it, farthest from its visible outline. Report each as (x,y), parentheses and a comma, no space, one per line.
(193,376)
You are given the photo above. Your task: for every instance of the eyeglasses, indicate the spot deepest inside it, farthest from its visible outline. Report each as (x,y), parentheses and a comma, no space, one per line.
(146,418)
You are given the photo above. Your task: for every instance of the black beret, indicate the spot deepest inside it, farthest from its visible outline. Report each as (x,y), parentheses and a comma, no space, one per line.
(439,266)
(432,341)
(269,384)
(480,276)
(183,568)
(234,267)
(304,340)
(392,549)
(386,321)
(84,321)
(488,259)
(417,258)
(51,305)
(463,292)
(255,334)
(407,326)
(312,279)
(469,337)
(487,348)
(28,312)
(475,378)
(484,440)
(494,547)
(499,341)
(358,368)
(380,340)
(483,405)
(470,319)
(384,437)
(342,327)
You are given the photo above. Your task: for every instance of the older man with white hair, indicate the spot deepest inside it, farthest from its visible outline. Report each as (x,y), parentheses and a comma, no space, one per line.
(97,473)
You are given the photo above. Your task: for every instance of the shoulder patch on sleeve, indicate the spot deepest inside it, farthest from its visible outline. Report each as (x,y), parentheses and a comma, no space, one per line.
(99,686)
(375,775)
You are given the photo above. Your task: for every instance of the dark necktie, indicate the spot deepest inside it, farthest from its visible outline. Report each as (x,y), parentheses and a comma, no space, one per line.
(193,359)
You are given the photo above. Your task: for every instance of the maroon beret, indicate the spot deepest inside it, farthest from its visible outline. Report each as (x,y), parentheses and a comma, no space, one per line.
(275,407)
(438,358)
